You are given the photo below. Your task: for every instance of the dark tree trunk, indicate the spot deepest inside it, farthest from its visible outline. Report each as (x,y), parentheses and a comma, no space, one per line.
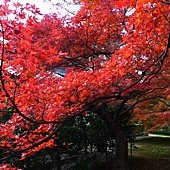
(121,150)
(121,147)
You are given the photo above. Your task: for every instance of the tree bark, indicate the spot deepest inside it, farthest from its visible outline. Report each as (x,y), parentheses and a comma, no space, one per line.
(121,149)
(121,146)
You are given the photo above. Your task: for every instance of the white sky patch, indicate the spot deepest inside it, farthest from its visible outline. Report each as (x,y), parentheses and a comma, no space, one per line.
(45,7)
(59,7)
(130,11)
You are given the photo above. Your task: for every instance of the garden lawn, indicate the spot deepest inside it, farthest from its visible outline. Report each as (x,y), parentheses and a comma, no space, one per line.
(151,154)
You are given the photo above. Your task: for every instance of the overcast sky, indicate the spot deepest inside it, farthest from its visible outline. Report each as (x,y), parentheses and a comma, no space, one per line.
(49,7)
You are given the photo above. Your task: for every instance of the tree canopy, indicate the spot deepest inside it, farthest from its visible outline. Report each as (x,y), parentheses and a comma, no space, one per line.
(111,51)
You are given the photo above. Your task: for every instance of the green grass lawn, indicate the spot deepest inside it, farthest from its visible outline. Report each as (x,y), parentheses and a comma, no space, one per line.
(152,154)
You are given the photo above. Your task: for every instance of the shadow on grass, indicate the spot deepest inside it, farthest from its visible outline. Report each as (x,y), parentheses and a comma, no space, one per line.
(141,163)
(152,154)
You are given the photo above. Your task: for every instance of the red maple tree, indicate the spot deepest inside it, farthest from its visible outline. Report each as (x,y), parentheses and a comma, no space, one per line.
(113,52)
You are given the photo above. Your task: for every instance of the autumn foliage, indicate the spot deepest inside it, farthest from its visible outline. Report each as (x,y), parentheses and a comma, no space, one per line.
(112,51)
